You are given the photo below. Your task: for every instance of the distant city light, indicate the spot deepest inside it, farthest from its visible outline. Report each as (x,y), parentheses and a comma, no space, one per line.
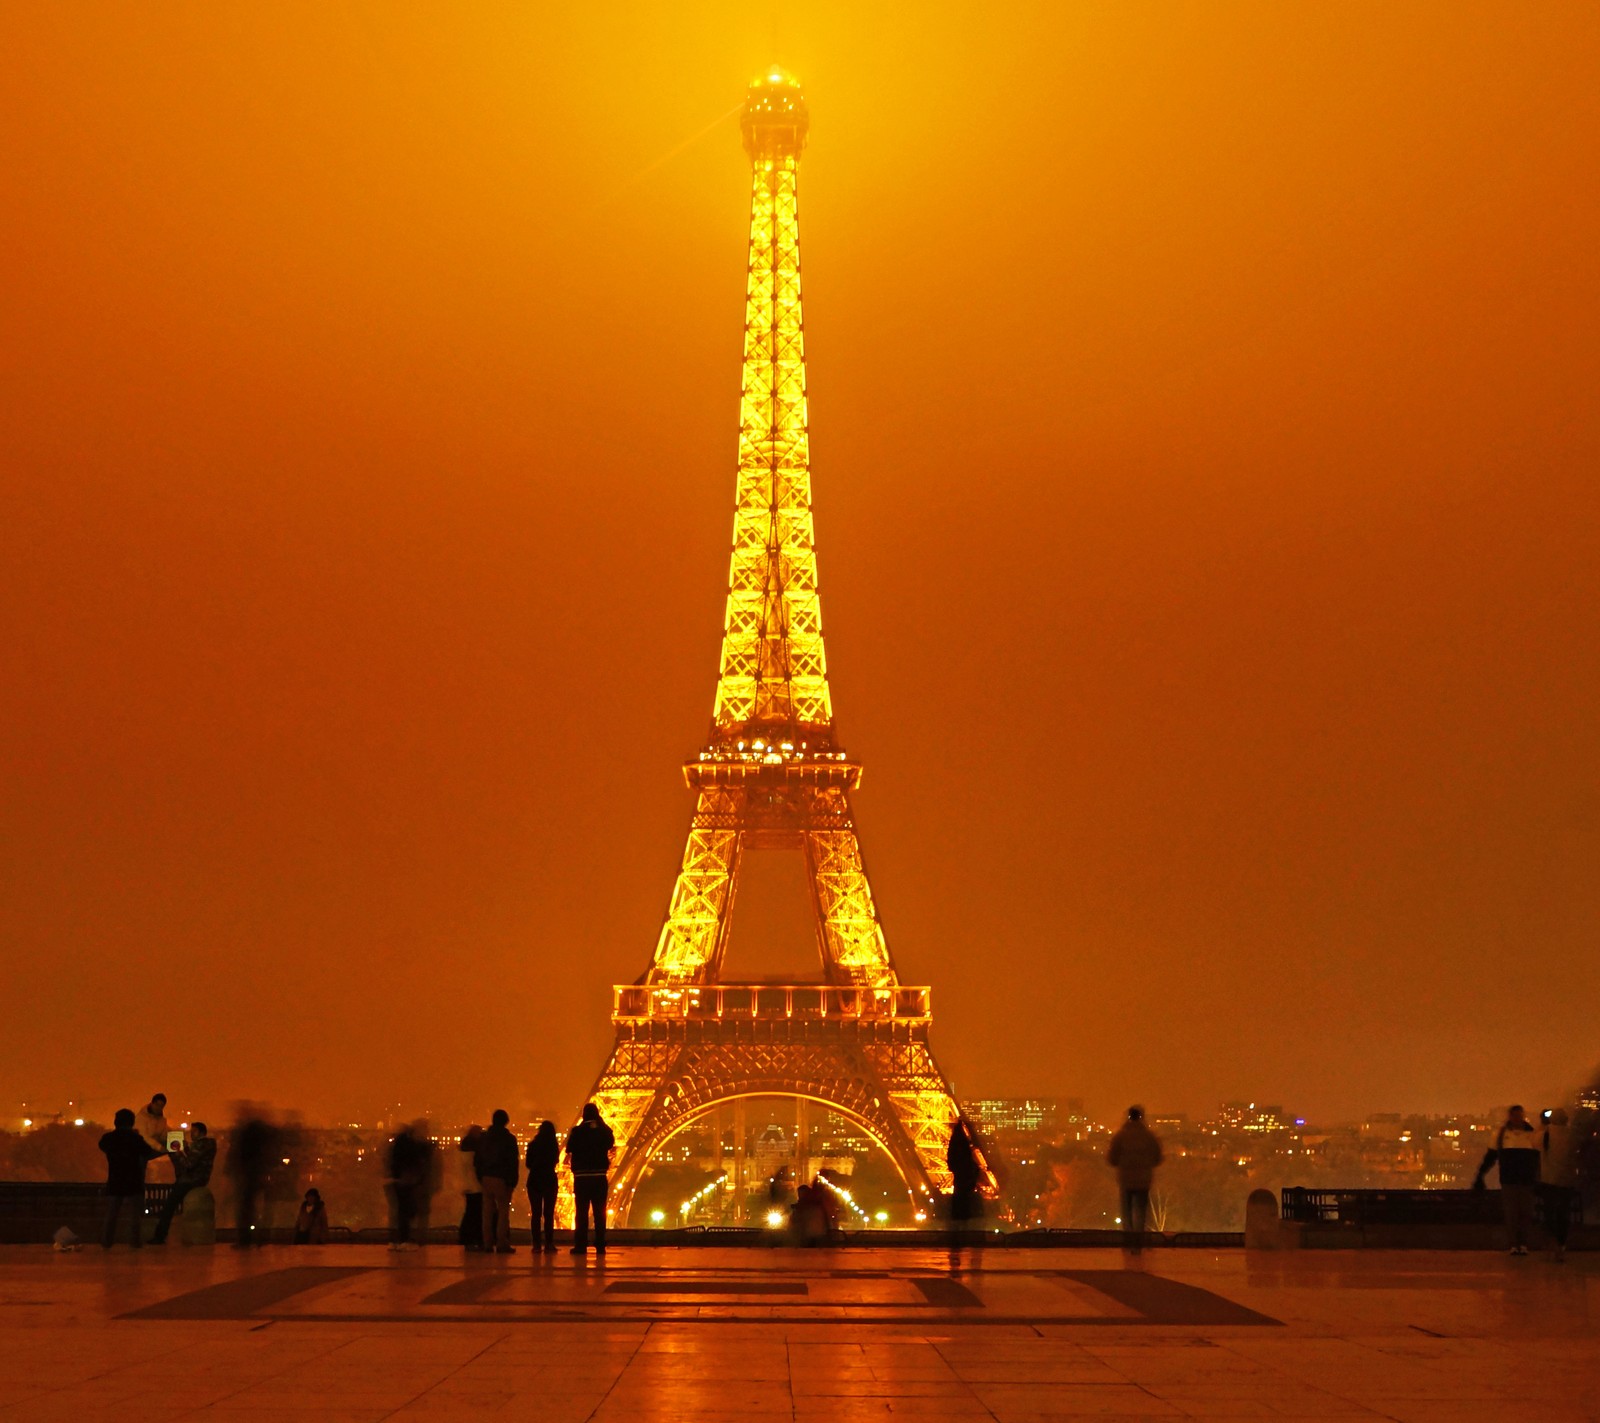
(657,1217)
(27,1121)
(881,1217)
(77,1121)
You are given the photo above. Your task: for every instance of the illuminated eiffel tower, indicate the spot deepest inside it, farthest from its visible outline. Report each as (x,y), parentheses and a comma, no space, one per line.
(772,777)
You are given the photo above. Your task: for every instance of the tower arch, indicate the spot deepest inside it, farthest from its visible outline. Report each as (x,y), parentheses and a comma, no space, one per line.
(626,1184)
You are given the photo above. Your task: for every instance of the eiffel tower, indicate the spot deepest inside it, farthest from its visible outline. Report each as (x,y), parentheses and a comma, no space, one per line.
(773,777)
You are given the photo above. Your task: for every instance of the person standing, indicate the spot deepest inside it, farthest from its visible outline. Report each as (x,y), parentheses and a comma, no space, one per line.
(1134,1154)
(127,1154)
(404,1184)
(962,1158)
(1558,1183)
(191,1169)
(544,1155)
(469,1234)
(151,1124)
(495,1162)
(1516,1153)
(590,1145)
(252,1147)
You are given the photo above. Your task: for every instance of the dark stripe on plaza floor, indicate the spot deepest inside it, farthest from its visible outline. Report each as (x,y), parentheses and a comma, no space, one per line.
(707,1287)
(1163,1301)
(238,1299)
(467,1291)
(947,1294)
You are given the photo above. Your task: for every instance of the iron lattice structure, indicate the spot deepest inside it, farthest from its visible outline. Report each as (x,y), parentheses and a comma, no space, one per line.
(772,777)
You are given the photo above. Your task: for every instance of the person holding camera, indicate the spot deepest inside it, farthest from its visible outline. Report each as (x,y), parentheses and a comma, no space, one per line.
(191,1169)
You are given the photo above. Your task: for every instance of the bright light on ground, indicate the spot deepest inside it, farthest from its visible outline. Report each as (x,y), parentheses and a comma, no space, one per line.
(774,1219)
(657,1217)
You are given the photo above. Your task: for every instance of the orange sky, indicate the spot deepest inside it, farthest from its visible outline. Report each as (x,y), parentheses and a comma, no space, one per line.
(1204,435)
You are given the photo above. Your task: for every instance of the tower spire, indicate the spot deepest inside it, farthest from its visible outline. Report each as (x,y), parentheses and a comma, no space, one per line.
(773,678)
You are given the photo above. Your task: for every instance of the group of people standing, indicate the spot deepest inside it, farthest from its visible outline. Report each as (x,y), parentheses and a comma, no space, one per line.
(489,1166)
(134,1141)
(1537,1166)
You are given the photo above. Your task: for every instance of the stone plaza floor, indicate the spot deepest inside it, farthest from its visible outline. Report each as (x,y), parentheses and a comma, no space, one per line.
(358,1333)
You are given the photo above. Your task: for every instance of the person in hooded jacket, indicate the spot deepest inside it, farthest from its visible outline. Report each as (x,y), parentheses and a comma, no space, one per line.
(1516,1152)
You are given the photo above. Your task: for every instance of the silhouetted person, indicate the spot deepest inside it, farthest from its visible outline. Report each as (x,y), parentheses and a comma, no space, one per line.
(406,1172)
(252,1151)
(1135,1152)
(827,1209)
(1516,1152)
(311,1221)
(127,1154)
(1558,1177)
(470,1232)
(432,1178)
(966,1205)
(543,1156)
(590,1145)
(808,1219)
(192,1164)
(495,1161)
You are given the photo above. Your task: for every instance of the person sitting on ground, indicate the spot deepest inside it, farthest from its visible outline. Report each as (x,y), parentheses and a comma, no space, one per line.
(1516,1152)
(127,1154)
(311,1223)
(191,1169)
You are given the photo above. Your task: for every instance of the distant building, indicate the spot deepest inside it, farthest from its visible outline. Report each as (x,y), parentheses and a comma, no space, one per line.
(1383,1126)
(1031,1116)
(1251,1117)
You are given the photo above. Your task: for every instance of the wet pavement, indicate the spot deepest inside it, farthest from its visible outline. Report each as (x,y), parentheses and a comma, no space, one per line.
(359,1333)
